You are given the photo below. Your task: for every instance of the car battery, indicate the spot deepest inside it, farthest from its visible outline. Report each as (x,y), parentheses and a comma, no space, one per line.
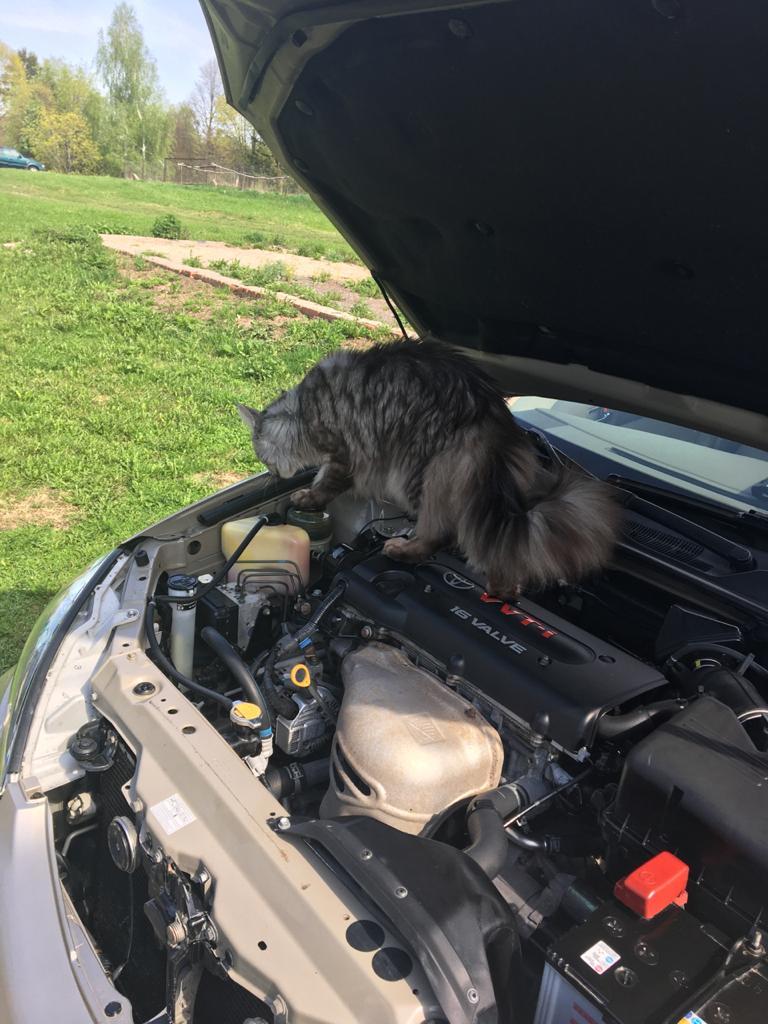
(621,968)
(743,1000)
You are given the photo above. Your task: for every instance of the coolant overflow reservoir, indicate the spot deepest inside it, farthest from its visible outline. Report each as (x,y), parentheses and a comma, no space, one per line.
(319,527)
(278,556)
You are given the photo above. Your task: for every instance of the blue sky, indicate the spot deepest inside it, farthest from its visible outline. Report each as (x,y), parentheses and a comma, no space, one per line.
(174,30)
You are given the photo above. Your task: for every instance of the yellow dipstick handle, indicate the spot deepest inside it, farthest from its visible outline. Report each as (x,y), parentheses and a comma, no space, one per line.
(300,676)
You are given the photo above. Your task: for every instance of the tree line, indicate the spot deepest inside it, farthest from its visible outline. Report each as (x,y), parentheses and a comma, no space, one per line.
(116,121)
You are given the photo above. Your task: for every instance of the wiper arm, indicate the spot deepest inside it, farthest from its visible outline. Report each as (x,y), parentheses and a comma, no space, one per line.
(752,517)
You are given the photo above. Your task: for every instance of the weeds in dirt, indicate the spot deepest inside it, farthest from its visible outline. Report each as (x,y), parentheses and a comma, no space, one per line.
(367,288)
(361,309)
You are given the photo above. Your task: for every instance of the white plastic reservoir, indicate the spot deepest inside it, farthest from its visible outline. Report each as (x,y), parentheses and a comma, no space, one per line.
(276,556)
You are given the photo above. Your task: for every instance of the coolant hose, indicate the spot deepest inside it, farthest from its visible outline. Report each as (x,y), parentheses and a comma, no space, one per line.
(486,815)
(296,778)
(489,844)
(611,726)
(168,667)
(238,669)
(492,816)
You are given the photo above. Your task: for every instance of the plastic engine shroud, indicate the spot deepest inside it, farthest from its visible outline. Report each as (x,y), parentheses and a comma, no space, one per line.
(528,660)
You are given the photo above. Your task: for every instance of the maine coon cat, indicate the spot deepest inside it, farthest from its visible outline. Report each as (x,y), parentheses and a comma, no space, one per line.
(418,424)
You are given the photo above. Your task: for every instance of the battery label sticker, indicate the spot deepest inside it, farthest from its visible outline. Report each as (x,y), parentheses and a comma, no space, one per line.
(692,1018)
(172,814)
(600,957)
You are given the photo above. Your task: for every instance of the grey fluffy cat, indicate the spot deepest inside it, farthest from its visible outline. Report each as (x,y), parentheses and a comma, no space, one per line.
(420,425)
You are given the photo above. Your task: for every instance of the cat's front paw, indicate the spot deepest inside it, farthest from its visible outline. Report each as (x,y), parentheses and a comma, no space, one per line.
(402,550)
(306,498)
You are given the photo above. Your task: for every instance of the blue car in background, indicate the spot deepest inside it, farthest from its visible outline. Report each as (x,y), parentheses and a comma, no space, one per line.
(13,158)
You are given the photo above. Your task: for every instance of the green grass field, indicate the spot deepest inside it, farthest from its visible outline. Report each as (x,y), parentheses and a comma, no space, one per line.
(113,205)
(119,382)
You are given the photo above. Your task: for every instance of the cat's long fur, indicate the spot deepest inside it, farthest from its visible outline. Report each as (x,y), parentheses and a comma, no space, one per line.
(420,425)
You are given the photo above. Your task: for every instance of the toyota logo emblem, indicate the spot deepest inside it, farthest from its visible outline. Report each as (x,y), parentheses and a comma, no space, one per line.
(457,582)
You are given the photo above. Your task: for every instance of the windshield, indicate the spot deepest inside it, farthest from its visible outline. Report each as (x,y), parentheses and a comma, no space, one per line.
(608,441)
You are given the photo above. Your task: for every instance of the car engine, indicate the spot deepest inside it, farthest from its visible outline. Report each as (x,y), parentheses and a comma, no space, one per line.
(561,799)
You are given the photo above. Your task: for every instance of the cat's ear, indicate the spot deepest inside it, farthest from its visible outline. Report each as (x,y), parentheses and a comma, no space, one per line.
(250,417)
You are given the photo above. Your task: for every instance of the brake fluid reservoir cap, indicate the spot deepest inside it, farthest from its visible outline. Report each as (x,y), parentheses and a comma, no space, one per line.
(654,886)
(180,582)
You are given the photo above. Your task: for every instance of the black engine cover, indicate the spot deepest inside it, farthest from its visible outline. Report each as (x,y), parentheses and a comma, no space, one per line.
(527,659)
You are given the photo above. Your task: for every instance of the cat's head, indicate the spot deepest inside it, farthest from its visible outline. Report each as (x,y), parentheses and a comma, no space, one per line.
(274,433)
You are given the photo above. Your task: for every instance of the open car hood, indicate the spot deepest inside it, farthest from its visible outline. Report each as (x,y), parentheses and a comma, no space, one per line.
(576,192)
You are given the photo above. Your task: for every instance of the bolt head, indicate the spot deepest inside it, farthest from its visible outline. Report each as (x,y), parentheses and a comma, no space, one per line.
(366,855)
(284,824)
(401,892)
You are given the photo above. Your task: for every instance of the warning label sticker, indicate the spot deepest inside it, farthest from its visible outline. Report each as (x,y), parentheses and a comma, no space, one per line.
(692,1018)
(172,814)
(600,957)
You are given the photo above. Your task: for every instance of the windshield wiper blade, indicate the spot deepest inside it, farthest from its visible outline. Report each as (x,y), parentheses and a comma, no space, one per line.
(751,517)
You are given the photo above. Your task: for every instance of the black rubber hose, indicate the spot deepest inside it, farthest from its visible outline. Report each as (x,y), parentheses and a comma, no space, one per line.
(296,778)
(280,703)
(489,845)
(568,846)
(611,726)
(540,843)
(293,642)
(167,666)
(219,576)
(238,669)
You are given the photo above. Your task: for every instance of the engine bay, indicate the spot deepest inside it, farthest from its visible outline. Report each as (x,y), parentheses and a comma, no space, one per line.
(299,753)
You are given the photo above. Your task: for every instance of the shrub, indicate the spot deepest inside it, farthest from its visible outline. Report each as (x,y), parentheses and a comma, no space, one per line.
(167,226)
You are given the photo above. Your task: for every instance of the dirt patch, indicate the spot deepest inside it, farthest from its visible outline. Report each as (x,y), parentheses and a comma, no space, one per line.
(173,292)
(42,507)
(183,249)
(308,284)
(218,479)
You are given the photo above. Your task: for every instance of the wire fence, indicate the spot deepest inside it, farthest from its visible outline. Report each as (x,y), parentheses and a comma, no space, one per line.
(193,172)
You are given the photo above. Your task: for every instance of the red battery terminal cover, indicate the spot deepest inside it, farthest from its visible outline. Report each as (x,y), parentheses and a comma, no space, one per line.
(654,886)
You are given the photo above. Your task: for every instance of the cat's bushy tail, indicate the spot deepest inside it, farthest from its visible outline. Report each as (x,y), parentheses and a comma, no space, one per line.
(563,528)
